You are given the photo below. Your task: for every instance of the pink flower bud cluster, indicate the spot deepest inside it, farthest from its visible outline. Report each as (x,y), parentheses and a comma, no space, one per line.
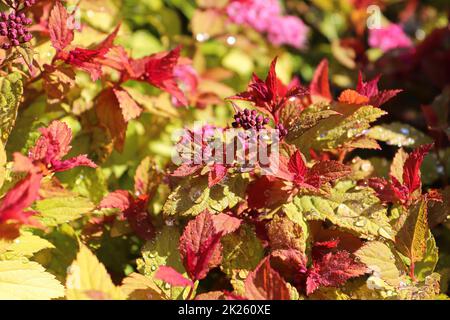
(249,120)
(14,28)
(15,4)
(266,16)
(282,131)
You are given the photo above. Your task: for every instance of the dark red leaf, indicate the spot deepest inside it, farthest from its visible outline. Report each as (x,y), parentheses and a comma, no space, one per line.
(411,168)
(200,246)
(333,270)
(264,283)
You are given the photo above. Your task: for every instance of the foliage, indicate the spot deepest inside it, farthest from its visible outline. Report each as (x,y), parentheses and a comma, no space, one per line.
(96,102)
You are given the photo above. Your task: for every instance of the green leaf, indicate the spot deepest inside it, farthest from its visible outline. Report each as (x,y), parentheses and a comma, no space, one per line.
(163,251)
(379,258)
(242,251)
(426,266)
(412,236)
(193,196)
(308,118)
(27,53)
(336,131)
(58,210)
(296,216)
(86,182)
(22,280)
(11,90)
(399,134)
(354,209)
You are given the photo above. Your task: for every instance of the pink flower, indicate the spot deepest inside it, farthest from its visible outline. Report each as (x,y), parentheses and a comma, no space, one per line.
(388,38)
(258,14)
(187,79)
(288,30)
(266,16)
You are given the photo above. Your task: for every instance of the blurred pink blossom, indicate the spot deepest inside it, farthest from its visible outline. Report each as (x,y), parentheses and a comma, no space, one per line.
(388,38)
(288,30)
(266,16)
(256,13)
(187,79)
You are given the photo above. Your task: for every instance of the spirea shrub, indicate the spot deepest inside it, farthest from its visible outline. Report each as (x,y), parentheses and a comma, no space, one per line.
(185,156)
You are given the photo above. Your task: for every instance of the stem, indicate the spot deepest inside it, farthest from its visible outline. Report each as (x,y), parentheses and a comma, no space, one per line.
(191,290)
(411,271)
(342,156)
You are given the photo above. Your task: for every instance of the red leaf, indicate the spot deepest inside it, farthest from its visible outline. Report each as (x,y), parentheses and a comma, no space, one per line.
(267,192)
(289,262)
(186,170)
(60,34)
(216,174)
(81,160)
(133,209)
(173,277)
(200,246)
(297,166)
(370,90)
(20,197)
(119,199)
(329,170)
(53,145)
(225,223)
(270,95)
(139,218)
(114,108)
(320,85)
(158,70)
(54,142)
(23,164)
(367,89)
(86,60)
(411,168)
(91,60)
(264,283)
(332,270)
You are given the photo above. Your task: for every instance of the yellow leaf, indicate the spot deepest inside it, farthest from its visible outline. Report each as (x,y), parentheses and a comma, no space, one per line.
(22,280)
(412,237)
(397,164)
(87,279)
(2,164)
(379,258)
(139,287)
(25,246)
